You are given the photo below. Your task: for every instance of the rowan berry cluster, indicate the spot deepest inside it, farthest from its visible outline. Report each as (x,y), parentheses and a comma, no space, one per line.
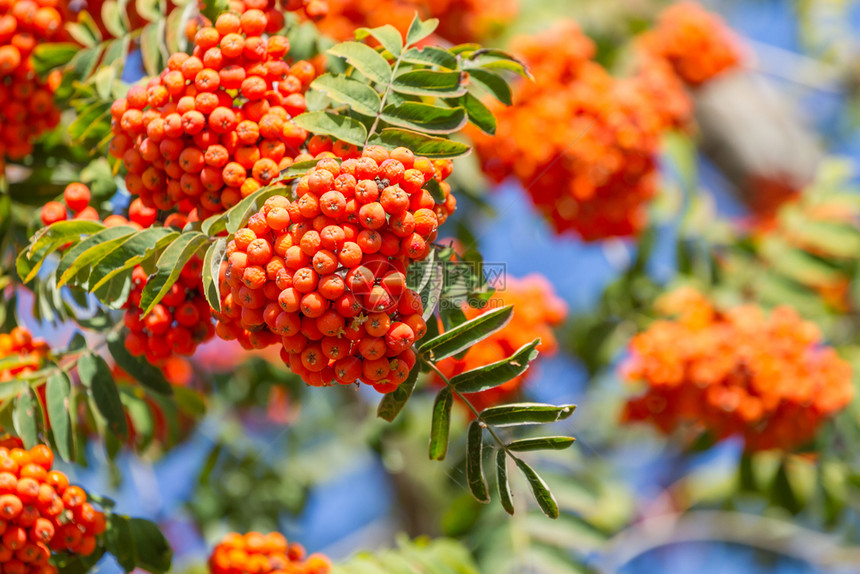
(595,170)
(41,514)
(766,378)
(30,353)
(264,554)
(176,325)
(537,310)
(314,9)
(26,100)
(214,126)
(325,275)
(697,44)
(459,20)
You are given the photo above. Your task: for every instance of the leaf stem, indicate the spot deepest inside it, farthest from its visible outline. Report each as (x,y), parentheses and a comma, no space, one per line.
(384,97)
(471,407)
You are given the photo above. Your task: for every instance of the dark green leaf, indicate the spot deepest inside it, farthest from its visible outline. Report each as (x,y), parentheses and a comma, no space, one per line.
(425,117)
(116,52)
(419,30)
(343,128)
(441,424)
(392,403)
(155,554)
(431,55)
(150,47)
(212,271)
(147,374)
(27,417)
(360,97)
(526,414)
(426,278)
(435,191)
(782,492)
(151,10)
(77,564)
(82,33)
(78,342)
(103,81)
(493,83)
(497,60)
(299,169)
(464,48)
(141,416)
(190,402)
(168,267)
(46,57)
(112,20)
(388,36)
(541,491)
(214,8)
(90,251)
(88,120)
(467,334)
(59,405)
(475,463)
(96,377)
(120,543)
(114,293)
(48,240)
(174,30)
(479,114)
(133,251)
(430,83)
(420,144)
(504,484)
(364,59)
(217,223)
(498,373)
(542,443)
(240,213)
(84,62)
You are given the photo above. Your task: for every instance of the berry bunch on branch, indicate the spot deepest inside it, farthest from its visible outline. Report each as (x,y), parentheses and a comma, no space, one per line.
(764,377)
(325,275)
(595,172)
(215,126)
(294,228)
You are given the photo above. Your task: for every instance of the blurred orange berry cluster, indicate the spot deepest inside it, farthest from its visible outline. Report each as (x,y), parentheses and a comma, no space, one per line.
(459,20)
(697,44)
(537,309)
(27,102)
(764,377)
(30,353)
(582,143)
(264,554)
